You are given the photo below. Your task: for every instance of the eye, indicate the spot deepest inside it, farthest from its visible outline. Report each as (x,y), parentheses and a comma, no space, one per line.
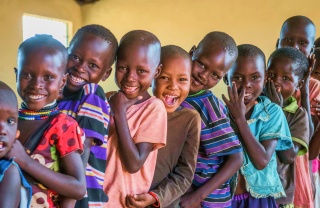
(200,64)
(214,75)
(48,76)
(93,66)
(302,42)
(75,57)
(317,73)
(286,78)
(287,39)
(255,77)
(11,121)
(270,75)
(141,71)
(25,75)
(183,79)
(121,68)
(237,78)
(164,77)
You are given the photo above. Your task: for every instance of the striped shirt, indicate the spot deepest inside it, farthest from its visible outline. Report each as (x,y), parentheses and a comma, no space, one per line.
(90,108)
(217,140)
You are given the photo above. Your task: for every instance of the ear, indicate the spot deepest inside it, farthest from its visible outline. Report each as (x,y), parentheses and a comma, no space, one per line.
(225,79)
(16,72)
(277,43)
(300,83)
(192,50)
(106,74)
(17,134)
(158,71)
(312,50)
(63,81)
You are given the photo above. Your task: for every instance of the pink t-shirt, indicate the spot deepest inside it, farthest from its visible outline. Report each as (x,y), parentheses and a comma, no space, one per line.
(314,92)
(303,194)
(147,122)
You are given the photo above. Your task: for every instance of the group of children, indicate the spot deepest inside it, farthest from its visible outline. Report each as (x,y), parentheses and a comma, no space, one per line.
(70,144)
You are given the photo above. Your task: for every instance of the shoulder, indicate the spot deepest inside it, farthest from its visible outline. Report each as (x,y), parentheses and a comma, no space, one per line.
(154,103)
(9,170)
(93,89)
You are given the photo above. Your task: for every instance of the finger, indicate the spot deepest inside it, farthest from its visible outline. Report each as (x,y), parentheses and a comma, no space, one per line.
(230,93)
(139,197)
(226,101)
(136,99)
(242,93)
(273,88)
(235,91)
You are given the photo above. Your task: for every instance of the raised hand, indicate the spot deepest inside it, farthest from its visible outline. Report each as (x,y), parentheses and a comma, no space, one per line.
(273,94)
(119,102)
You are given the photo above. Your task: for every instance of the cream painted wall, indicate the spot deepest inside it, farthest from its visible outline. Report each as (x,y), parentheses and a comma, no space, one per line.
(186,22)
(11,12)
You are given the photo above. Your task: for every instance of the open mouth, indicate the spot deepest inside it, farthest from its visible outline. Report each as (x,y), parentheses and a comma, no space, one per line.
(35,96)
(247,95)
(129,89)
(170,99)
(77,80)
(2,146)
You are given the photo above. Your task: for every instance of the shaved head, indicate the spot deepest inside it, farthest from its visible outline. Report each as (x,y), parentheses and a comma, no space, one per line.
(7,95)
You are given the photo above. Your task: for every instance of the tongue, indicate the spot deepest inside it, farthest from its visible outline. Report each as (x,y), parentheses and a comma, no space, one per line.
(169,100)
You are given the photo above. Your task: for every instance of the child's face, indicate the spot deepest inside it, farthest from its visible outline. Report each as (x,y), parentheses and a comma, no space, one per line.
(8,126)
(297,36)
(135,70)
(209,67)
(40,77)
(173,83)
(88,62)
(282,72)
(248,73)
(316,70)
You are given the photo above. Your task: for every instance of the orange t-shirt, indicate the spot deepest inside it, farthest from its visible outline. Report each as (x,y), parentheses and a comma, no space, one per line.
(147,122)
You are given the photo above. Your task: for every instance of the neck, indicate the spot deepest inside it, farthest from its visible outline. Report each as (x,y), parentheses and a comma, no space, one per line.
(27,114)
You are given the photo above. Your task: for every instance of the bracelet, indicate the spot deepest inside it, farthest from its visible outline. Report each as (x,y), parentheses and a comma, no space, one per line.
(157,204)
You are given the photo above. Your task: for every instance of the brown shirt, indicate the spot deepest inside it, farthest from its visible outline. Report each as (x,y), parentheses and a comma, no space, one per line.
(297,119)
(176,162)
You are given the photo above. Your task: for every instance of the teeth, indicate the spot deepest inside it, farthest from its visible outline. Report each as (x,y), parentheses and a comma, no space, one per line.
(77,79)
(36,97)
(1,145)
(130,89)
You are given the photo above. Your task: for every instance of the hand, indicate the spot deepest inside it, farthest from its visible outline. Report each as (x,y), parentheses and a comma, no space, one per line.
(140,200)
(273,93)
(190,200)
(119,102)
(19,153)
(306,78)
(316,106)
(236,104)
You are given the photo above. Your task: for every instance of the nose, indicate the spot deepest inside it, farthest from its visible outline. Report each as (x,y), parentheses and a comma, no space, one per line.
(37,83)
(173,85)
(80,67)
(246,83)
(2,129)
(131,75)
(203,75)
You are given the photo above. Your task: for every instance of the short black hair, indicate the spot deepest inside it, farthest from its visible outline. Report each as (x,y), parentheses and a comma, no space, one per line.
(317,43)
(299,19)
(222,39)
(7,95)
(99,31)
(41,41)
(144,38)
(317,54)
(296,56)
(248,50)
(169,51)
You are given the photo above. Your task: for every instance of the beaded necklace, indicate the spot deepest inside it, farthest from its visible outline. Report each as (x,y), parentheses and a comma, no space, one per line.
(198,93)
(49,110)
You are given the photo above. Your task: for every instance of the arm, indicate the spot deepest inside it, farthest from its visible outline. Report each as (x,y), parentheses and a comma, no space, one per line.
(179,180)
(10,186)
(305,102)
(230,166)
(132,155)
(288,156)
(71,184)
(86,150)
(259,153)
(314,146)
